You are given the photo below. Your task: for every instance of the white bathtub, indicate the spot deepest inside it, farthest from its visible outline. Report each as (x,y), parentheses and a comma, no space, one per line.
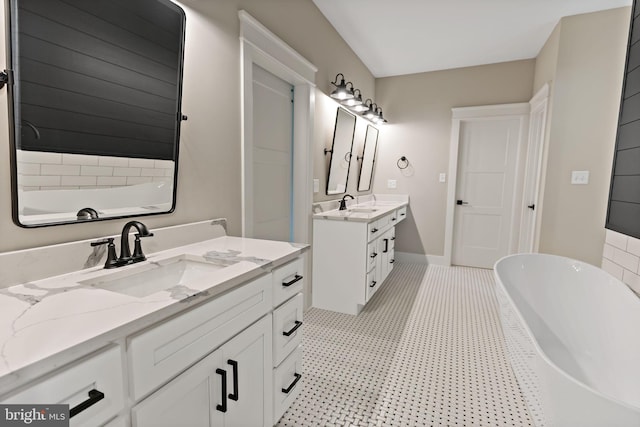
(572,334)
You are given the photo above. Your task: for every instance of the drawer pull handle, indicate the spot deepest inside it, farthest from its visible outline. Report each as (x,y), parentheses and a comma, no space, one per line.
(373,284)
(386,246)
(373,255)
(293,384)
(292,330)
(393,238)
(94,397)
(392,261)
(374,230)
(402,214)
(223,374)
(297,278)
(234,366)
(393,219)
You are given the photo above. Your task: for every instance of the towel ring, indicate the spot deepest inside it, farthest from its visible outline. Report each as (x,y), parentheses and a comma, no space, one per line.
(403,163)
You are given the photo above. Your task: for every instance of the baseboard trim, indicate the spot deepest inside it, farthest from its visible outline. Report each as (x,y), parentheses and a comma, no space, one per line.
(420,258)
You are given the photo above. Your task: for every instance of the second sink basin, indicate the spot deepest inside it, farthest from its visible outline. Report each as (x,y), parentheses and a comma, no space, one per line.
(362,210)
(148,278)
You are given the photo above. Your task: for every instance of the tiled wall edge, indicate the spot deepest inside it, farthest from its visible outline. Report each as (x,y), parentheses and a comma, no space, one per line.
(621,258)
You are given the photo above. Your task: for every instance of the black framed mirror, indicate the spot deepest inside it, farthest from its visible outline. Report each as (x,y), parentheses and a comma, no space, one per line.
(341,147)
(95,99)
(368,159)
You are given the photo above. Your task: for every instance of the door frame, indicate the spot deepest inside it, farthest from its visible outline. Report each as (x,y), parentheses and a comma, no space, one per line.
(533,179)
(479,113)
(261,47)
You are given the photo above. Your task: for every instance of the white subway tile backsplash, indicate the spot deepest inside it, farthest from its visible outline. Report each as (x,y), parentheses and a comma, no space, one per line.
(38,157)
(625,259)
(631,279)
(28,168)
(39,180)
(133,180)
(59,170)
(633,246)
(141,163)
(79,159)
(126,171)
(111,181)
(624,264)
(612,268)
(79,181)
(607,252)
(164,164)
(616,239)
(96,171)
(152,172)
(122,162)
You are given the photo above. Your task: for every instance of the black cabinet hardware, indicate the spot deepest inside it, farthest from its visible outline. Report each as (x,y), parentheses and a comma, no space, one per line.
(402,214)
(297,278)
(293,384)
(374,230)
(292,330)
(372,284)
(223,374)
(393,219)
(94,397)
(392,261)
(234,367)
(386,246)
(393,238)
(373,255)
(532,207)
(460,202)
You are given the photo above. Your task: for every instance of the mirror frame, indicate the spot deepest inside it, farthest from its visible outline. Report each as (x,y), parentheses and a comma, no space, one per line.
(364,156)
(13,85)
(350,152)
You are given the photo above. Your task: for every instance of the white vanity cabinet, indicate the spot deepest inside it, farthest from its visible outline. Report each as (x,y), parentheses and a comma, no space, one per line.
(229,387)
(352,258)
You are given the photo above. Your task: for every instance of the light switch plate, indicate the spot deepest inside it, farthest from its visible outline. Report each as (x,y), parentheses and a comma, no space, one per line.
(316,185)
(392,183)
(579,177)
(442,177)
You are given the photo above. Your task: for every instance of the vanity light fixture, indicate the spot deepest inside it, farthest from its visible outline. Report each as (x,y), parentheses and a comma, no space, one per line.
(353,102)
(342,91)
(371,113)
(379,119)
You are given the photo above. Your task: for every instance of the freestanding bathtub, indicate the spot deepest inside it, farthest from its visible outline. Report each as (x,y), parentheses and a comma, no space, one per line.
(573,338)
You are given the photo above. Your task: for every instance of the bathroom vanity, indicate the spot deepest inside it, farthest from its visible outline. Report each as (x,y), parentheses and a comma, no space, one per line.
(354,251)
(199,335)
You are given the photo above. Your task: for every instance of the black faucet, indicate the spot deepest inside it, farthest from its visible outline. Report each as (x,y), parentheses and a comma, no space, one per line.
(125,258)
(343,202)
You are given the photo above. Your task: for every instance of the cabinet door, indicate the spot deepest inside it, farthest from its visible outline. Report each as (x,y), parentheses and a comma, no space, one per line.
(247,359)
(189,400)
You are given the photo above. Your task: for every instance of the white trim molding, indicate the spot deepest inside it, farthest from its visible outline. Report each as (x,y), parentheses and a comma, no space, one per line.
(410,257)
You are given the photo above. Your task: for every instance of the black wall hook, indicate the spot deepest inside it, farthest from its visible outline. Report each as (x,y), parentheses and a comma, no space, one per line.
(403,163)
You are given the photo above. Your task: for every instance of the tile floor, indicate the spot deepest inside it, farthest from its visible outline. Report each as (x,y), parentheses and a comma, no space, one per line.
(427,350)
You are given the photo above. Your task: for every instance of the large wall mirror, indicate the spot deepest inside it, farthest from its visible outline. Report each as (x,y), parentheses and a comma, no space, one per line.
(95,97)
(368,159)
(340,160)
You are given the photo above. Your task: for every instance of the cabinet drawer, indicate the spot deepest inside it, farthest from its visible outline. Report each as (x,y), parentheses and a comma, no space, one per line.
(401,213)
(158,354)
(373,230)
(288,280)
(372,284)
(286,382)
(287,320)
(384,222)
(101,372)
(372,255)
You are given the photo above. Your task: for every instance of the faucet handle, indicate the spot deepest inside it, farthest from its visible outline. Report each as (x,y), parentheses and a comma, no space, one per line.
(137,248)
(112,257)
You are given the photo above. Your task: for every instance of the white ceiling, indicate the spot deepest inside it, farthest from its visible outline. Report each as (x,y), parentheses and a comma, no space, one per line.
(394,37)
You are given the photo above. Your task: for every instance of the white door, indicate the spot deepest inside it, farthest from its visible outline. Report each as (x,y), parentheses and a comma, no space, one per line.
(533,172)
(488,154)
(269,210)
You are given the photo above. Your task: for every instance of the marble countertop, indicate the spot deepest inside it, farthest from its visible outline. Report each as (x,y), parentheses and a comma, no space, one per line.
(358,212)
(47,323)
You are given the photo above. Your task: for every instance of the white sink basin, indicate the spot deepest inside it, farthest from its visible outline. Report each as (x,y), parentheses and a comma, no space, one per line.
(362,210)
(146,278)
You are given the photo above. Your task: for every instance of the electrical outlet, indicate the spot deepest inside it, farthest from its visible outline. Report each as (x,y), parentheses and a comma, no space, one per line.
(316,185)
(392,183)
(442,177)
(579,177)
